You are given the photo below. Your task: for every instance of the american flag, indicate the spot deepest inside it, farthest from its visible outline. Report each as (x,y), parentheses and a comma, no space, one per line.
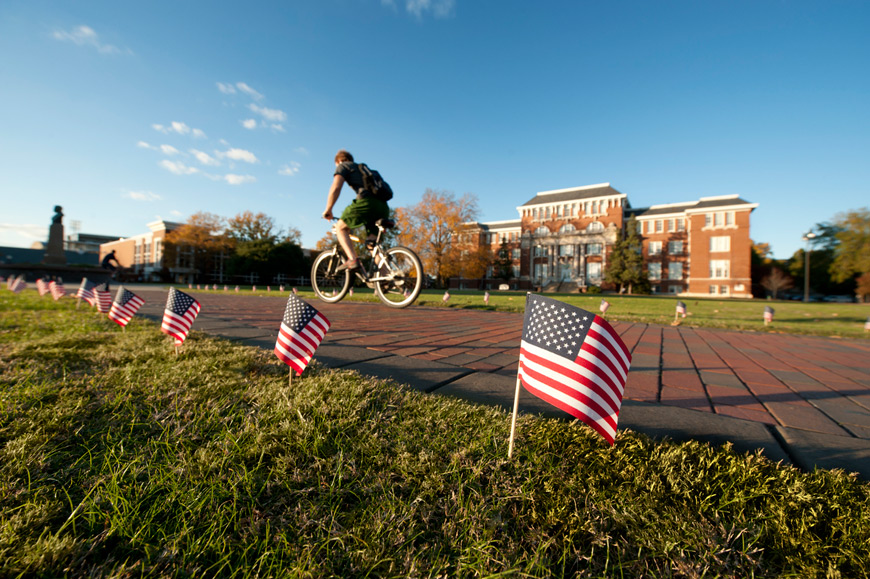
(867,324)
(181,311)
(681,308)
(302,330)
(41,287)
(574,360)
(124,307)
(768,314)
(445,297)
(102,298)
(603,306)
(56,288)
(486,298)
(17,284)
(86,291)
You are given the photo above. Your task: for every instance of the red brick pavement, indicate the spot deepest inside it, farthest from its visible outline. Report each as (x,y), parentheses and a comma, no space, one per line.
(809,383)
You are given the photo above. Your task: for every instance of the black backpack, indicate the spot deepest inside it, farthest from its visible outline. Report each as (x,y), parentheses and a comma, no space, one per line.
(374,184)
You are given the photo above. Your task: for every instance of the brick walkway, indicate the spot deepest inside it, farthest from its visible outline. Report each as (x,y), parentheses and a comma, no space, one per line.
(813,384)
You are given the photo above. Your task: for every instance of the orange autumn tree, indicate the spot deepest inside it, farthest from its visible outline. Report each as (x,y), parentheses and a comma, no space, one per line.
(431,228)
(199,243)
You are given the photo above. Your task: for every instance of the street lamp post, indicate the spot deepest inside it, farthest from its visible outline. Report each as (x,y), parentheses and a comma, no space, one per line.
(808,236)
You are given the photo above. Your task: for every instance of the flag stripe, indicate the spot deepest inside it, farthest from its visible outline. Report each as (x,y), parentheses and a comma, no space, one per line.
(575,377)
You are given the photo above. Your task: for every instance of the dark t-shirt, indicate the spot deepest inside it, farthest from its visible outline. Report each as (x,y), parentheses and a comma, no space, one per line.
(352,176)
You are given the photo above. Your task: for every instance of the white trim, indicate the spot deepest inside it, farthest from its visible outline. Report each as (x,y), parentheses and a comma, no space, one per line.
(718,197)
(743,207)
(571,189)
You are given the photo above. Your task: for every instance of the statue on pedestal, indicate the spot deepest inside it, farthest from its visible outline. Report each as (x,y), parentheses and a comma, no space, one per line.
(54,250)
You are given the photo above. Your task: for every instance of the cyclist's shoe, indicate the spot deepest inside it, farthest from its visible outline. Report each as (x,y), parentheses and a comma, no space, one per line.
(370,243)
(349,264)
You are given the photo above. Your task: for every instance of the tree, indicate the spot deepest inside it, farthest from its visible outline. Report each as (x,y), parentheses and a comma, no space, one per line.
(862,291)
(853,251)
(430,228)
(202,240)
(247,226)
(503,263)
(823,268)
(625,262)
(777,281)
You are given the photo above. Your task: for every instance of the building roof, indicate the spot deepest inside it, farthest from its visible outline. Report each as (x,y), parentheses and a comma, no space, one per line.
(703,204)
(493,225)
(573,194)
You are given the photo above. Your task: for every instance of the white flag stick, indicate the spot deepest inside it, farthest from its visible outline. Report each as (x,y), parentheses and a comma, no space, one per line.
(514,419)
(290,382)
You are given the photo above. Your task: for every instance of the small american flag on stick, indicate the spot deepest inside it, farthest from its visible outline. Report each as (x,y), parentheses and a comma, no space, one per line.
(103,298)
(574,360)
(302,330)
(768,314)
(86,291)
(181,310)
(56,288)
(124,307)
(17,285)
(681,309)
(41,287)
(604,306)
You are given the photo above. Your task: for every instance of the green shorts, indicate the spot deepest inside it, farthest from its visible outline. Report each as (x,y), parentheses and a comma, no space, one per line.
(365,212)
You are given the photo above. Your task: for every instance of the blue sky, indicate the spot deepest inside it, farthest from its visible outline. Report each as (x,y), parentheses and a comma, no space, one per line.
(125,112)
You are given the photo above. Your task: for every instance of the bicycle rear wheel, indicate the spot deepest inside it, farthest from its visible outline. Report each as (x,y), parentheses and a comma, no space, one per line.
(404,273)
(329,285)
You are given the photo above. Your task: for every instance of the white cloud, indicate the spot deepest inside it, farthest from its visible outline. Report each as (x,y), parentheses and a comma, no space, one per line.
(238,155)
(438,8)
(142,196)
(204,158)
(278,128)
(249,91)
(226,88)
(178,167)
(179,128)
(86,36)
(176,213)
(291,169)
(273,115)
(238,179)
(27,230)
(144,145)
(250,124)
(301,151)
(169,150)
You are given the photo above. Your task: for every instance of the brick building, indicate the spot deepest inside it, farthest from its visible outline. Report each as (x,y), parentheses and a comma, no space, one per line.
(562,240)
(143,254)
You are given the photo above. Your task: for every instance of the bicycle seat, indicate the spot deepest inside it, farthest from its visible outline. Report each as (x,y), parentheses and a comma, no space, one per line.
(385,223)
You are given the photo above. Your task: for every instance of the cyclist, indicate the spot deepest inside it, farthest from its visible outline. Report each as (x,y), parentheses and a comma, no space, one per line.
(107,265)
(365,210)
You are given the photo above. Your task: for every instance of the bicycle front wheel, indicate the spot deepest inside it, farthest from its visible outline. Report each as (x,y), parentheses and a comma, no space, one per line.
(401,274)
(329,285)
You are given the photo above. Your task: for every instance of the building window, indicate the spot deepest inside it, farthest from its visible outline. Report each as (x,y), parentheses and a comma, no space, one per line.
(515,254)
(723,290)
(640,227)
(655,270)
(659,226)
(719,268)
(681,224)
(542,231)
(593,248)
(593,273)
(566,250)
(595,227)
(674,289)
(708,220)
(539,251)
(670,225)
(567,228)
(712,290)
(515,270)
(675,247)
(655,247)
(729,218)
(675,270)
(722,243)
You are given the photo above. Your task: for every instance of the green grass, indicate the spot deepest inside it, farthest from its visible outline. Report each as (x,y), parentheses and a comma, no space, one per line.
(118,459)
(814,318)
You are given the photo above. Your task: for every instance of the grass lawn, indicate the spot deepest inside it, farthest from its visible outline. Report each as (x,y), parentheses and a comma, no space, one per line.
(119,459)
(814,318)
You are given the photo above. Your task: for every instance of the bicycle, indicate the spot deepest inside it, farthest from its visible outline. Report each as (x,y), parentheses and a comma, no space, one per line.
(396,274)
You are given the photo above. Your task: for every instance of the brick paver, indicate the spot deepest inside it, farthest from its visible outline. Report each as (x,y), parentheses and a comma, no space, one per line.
(808,383)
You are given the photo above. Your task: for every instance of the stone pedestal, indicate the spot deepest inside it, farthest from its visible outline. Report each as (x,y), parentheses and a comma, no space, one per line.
(54,254)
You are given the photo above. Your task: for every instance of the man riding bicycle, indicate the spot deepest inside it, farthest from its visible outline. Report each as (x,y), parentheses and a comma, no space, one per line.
(365,210)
